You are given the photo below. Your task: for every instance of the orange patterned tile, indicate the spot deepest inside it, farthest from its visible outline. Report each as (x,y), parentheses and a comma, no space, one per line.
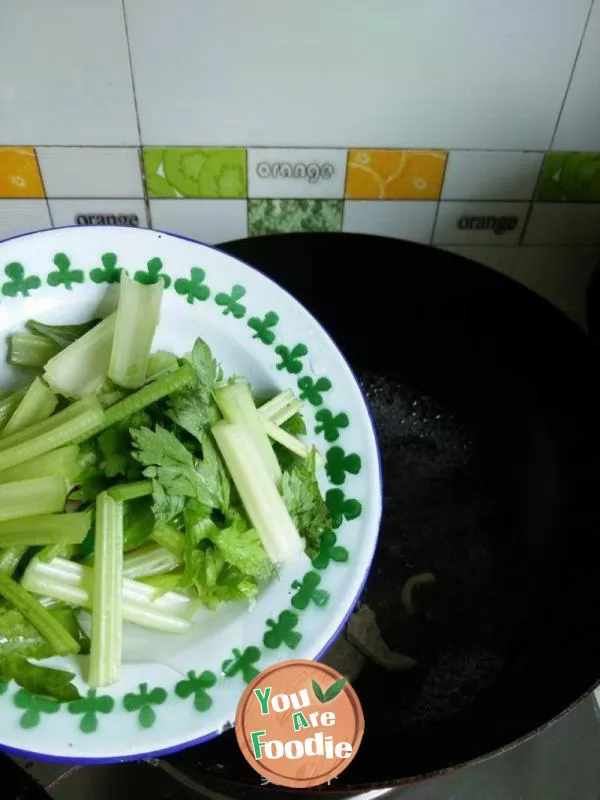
(395,174)
(19,173)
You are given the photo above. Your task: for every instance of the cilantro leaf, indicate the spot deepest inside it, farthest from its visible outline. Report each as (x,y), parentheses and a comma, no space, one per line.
(242,548)
(194,409)
(303,499)
(177,474)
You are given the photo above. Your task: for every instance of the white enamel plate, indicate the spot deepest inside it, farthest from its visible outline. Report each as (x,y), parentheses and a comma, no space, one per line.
(180,690)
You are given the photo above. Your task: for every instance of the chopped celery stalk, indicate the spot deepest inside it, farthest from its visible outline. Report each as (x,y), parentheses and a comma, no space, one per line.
(65,427)
(29,350)
(287,413)
(281,408)
(161,362)
(150,560)
(61,335)
(138,315)
(63,463)
(107,614)
(258,493)
(169,538)
(81,368)
(173,382)
(130,491)
(73,583)
(38,404)
(8,405)
(38,496)
(52,551)
(62,529)
(53,632)
(110,398)
(11,558)
(286,439)
(237,406)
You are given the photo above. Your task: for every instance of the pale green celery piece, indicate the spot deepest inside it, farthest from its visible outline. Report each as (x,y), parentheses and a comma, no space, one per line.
(169,538)
(30,350)
(150,560)
(237,406)
(63,463)
(110,398)
(73,583)
(8,405)
(281,407)
(258,492)
(130,491)
(52,551)
(161,362)
(57,637)
(138,315)
(38,404)
(10,558)
(37,496)
(106,650)
(49,529)
(286,439)
(173,382)
(66,427)
(82,367)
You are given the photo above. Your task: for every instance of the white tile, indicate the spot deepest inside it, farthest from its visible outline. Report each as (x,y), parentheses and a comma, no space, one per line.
(99,212)
(66,76)
(461,74)
(293,173)
(23,216)
(479,223)
(501,259)
(579,125)
(491,175)
(403,219)
(208,221)
(91,171)
(564,223)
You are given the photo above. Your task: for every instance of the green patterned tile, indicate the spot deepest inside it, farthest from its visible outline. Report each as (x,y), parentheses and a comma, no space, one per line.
(288,216)
(572,177)
(195,172)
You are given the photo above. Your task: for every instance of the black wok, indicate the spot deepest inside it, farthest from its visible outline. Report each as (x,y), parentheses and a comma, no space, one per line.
(487,407)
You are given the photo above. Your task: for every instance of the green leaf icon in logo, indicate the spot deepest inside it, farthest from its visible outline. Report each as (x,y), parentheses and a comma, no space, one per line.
(331,693)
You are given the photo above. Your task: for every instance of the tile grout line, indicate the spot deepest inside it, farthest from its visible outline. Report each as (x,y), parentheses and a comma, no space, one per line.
(571,76)
(532,201)
(439,199)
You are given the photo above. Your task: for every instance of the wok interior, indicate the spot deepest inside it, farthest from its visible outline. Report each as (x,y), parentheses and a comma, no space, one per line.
(486,407)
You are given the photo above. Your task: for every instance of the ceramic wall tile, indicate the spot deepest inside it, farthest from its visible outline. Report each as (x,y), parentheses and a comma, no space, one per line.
(564,224)
(99,212)
(19,173)
(491,175)
(195,172)
(579,124)
(208,221)
(292,172)
(571,176)
(346,72)
(66,75)
(23,216)
(403,219)
(91,171)
(287,216)
(480,223)
(395,174)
